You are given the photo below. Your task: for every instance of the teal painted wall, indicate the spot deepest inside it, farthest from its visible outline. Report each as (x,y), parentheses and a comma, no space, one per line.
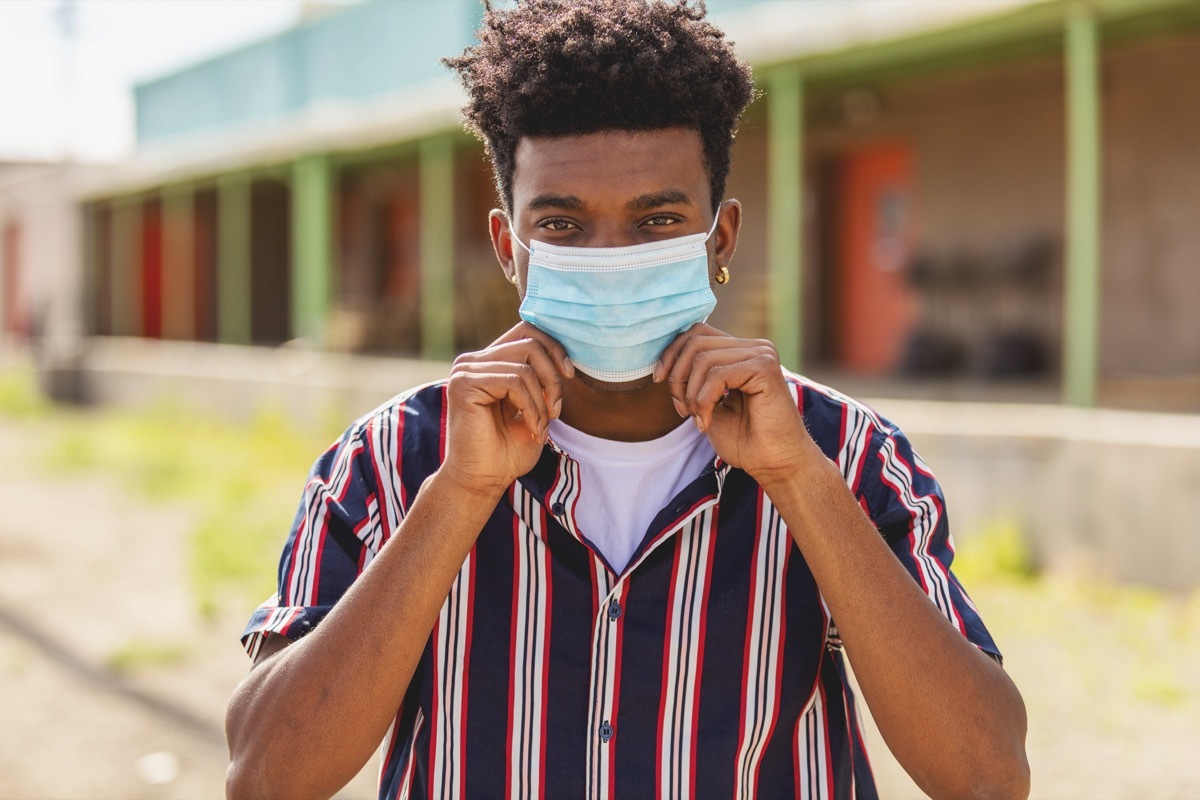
(367,49)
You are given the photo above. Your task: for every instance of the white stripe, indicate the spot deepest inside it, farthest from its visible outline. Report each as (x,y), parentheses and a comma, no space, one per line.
(811,751)
(683,668)
(446,770)
(602,689)
(530,626)
(924,513)
(318,496)
(406,782)
(765,643)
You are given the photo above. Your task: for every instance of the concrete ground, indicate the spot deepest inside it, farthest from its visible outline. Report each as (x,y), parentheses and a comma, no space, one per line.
(92,578)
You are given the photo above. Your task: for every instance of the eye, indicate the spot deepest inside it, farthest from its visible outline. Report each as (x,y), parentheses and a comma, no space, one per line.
(660,220)
(557,224)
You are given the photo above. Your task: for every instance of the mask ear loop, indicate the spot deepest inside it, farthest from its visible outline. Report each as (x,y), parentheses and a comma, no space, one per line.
(723,274)
(716,219)
(517,239)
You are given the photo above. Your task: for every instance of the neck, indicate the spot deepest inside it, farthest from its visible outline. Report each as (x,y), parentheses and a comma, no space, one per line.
(634,415)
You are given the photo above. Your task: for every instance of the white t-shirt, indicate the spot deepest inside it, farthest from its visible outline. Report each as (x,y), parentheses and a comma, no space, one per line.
(623,485)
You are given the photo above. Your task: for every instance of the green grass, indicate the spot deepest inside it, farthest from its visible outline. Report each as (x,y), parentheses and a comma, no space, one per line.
(137,655)
(243,480)
(19,397)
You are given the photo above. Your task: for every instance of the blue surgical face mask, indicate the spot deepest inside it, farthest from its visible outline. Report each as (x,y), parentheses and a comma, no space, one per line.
(615,309)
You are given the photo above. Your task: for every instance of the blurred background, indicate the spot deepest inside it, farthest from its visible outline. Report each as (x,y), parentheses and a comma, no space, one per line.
(229,228)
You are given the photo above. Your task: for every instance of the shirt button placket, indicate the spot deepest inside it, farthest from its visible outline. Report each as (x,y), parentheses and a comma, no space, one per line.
(606,731)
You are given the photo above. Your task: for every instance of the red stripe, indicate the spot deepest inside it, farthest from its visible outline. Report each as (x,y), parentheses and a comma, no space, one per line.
(671,525)
(399,436)
(742,718)
(369,436)
(708,563)
(668,651)
(778,669)
(862,460)
(800,721)
(469,599)
(545,687)
(395,734)
(616,694)
(942,569)
(435,712)
(512,639)
(442,424)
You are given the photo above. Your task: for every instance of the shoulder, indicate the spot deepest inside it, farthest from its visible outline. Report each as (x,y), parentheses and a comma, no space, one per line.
(862,442)
(409,426)
(832,415)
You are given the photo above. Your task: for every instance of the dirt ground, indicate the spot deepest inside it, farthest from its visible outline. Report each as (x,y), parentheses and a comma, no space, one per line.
(91,577)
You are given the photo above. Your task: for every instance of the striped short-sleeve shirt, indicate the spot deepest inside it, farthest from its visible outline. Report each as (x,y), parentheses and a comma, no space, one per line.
(708,667)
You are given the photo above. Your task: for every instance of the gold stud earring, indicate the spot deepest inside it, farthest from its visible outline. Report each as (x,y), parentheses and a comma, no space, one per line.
(723,276)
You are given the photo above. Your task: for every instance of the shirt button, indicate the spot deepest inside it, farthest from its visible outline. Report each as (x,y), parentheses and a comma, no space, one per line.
(558,509)
(614,610)
(606,731)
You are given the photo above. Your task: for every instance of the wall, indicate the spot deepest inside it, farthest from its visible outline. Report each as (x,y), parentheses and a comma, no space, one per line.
(1111,492)
(1115,492)
(364,50)
(1151,239)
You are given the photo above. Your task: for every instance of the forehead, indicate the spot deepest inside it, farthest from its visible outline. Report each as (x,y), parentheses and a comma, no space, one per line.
(610,165)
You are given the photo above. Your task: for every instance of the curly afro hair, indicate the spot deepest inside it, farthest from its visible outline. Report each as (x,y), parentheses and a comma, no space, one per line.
(568,67)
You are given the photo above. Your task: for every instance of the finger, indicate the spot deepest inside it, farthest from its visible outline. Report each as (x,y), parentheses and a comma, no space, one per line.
(737,379)
(682,367)
(549,379)
(492,382)
(713,374)
(557,353)
(529,352)
(667,360)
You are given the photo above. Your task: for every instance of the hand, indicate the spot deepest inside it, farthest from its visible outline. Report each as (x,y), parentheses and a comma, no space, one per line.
(501,400)
(735,392)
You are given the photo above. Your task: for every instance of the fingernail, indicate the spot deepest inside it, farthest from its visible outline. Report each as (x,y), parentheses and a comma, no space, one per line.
(699,424)
(656,375)
(557,408)
(568,367)
(679,409)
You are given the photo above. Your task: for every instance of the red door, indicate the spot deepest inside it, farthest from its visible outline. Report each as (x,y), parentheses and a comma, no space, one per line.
(876,306)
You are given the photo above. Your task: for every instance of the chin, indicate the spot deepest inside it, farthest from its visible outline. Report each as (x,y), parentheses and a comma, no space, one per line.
(606,386)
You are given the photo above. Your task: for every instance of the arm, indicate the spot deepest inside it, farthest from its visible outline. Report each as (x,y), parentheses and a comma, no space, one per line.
(916,671)
(335,691)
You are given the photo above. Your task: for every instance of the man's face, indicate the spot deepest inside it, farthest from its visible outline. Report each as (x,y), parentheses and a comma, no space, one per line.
(609,189)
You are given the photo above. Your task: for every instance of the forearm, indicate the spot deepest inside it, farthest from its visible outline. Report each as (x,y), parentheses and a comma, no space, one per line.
(335,691)
(911,664)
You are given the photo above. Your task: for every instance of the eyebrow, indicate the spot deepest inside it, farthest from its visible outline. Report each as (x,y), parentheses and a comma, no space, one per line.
(656,199)
(567,201)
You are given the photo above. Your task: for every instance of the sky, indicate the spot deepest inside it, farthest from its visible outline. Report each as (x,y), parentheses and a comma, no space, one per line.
(72,97)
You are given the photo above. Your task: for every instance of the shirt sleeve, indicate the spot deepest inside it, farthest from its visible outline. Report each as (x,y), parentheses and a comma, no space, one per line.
(903,499)
(336,532)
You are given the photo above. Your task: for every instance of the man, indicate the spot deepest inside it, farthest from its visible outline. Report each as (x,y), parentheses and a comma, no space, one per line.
(604,558)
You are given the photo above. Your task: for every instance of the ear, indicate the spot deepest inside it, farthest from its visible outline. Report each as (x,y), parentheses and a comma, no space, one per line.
(502,243)
(726,236)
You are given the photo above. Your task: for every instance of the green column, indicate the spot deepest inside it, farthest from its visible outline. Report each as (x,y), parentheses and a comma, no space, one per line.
(1081,314)
(178,263)
(312,246)
(125,242)
(233,259)
(437,248)
(785,212)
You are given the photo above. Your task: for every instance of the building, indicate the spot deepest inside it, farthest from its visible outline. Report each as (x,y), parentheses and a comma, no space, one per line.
(941,192)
